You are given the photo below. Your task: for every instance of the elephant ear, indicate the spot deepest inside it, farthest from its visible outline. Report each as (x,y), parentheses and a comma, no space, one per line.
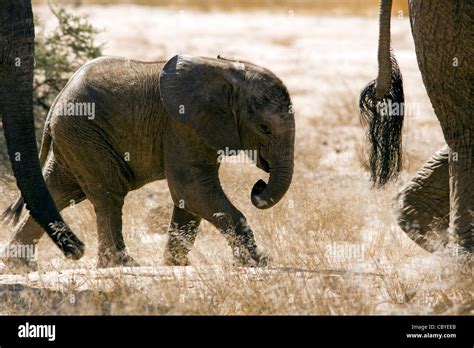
(198,92)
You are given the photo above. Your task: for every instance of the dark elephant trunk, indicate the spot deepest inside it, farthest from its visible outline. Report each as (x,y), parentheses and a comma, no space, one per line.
(266,196)
(381,107)
(16,111)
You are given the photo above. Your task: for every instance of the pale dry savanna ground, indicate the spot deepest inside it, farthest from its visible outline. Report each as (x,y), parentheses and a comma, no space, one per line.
(335,246)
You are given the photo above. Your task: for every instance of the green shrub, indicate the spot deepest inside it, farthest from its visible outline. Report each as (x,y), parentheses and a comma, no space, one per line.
(59,53)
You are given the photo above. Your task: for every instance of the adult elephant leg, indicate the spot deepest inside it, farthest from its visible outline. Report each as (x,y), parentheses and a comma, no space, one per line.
(461,185)
(181,236)
(65,192)
(444,52)
(423,205)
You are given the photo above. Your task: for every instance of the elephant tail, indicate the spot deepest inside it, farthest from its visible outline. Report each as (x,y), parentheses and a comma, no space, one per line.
(381,106)
(14,210)
(45,143)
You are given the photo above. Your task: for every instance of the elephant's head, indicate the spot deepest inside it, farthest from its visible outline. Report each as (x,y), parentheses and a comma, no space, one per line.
(238,106)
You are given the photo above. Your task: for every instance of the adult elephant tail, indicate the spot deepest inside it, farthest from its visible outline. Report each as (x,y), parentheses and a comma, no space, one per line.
(16,112)
(381,107)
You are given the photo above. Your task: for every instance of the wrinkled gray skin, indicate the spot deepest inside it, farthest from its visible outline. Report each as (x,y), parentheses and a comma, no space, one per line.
(156,121)
(16,113)
(423,205)
(439,201)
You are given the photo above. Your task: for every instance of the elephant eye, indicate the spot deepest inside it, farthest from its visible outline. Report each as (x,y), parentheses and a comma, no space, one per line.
(264,129)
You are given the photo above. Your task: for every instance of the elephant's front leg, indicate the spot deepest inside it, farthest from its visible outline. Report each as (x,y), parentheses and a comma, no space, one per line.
(181,236)
(233,225)
(204,197)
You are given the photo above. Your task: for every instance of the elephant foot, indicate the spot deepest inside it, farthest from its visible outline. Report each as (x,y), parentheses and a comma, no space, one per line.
(258,259)
(20,258)
(462,253)
(175,259)
(20,265)
(117,259)
(431,239)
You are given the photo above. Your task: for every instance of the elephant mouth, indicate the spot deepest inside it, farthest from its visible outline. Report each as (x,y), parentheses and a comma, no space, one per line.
(263,164)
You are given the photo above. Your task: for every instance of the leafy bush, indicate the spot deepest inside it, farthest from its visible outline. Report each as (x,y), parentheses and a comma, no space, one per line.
(59,54)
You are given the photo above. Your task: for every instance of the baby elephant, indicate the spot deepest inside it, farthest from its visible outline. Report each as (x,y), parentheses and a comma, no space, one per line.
(120,124)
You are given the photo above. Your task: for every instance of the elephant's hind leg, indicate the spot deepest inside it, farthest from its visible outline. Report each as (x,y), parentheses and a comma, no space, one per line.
(108,209)
(423,206)
(65,192)
(181,236)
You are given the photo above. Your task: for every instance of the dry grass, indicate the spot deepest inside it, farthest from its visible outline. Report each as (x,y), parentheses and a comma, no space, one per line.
(383,273)
(334,244)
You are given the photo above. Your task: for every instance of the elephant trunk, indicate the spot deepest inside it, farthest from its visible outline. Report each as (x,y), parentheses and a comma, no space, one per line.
(266,196)
(16,111)
(381,107)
